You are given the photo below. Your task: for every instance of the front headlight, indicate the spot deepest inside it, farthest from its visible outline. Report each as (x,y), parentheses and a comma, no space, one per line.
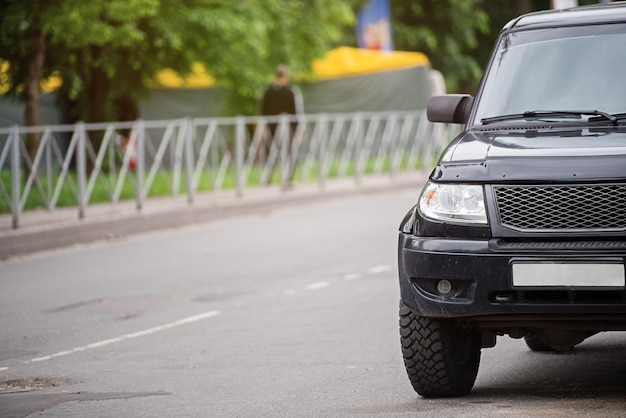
(458,203)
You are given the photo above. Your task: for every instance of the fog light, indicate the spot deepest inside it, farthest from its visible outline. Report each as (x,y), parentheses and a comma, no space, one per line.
(444,287)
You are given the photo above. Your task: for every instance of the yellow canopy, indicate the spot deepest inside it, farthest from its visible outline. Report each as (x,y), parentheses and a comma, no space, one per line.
(50,84)
(346,61)
(339,62)
(198,78)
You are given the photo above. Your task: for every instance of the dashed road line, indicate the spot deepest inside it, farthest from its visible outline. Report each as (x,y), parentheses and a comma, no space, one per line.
(347,277)
(351,276)
(137,334)
(188,320)
(379,269)
(318,285)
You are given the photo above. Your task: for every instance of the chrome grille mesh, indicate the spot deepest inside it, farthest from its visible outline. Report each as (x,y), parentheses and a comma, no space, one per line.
(562,207)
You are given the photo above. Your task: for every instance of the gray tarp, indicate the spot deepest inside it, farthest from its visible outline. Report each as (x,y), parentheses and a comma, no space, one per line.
(12,111)
(175,103)
(403,89)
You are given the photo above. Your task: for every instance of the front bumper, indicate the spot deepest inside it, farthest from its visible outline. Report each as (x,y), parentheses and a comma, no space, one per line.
(480,271)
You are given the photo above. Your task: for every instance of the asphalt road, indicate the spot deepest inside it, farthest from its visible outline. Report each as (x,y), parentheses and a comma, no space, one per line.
(287,313)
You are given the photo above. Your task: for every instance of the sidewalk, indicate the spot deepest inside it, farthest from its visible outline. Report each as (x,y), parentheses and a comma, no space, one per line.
(42,230)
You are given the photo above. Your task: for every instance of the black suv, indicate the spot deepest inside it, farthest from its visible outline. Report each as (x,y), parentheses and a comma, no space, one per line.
(521,228)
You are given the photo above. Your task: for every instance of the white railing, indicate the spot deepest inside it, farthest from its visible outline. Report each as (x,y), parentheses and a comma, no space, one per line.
(192,155)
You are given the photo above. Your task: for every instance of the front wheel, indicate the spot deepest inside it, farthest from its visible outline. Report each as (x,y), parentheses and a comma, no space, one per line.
(441,358)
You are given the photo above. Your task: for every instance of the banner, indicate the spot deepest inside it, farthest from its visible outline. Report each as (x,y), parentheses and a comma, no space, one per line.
(374,26)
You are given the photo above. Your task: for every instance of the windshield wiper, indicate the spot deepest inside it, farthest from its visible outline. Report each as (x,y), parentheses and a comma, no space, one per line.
(534,114)
(616,118)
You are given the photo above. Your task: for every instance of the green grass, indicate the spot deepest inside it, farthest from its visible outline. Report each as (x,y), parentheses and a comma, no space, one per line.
(162,185)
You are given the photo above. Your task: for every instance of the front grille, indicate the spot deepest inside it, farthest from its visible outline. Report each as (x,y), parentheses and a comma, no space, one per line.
(503,245)
(562,207)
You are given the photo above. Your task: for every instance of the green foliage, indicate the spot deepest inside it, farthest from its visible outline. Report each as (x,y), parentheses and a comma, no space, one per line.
(289,32)
(107,51)
(19,22)
(446,31)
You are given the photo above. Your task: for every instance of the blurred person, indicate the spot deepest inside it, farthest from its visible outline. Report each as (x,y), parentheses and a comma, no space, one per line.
(281,98)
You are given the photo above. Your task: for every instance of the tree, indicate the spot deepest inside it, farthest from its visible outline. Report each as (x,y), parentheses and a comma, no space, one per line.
(22,45)
(107,51)
(447,32)
(36,39)
(291,32)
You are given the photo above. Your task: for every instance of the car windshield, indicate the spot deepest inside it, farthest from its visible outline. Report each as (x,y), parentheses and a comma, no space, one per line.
(557,70)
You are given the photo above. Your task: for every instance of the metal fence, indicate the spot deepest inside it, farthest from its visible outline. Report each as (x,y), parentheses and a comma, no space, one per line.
(130,160)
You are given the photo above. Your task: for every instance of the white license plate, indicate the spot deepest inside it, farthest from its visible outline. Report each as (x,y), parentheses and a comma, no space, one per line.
(568,274)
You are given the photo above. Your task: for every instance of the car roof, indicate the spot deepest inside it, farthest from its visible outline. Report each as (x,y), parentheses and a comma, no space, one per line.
(595,14)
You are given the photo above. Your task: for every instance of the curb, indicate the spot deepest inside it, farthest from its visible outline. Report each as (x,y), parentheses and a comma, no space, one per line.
(106,222)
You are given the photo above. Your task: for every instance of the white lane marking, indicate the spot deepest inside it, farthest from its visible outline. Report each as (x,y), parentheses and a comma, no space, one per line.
(379,269)
(3,369)
(137,334)
(351,276)
(318,285)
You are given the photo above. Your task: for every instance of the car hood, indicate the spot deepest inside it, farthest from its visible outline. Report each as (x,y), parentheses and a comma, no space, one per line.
(567,155)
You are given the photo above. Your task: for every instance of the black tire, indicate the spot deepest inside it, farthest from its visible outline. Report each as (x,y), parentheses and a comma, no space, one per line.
(536,343)
(564,342)
(441,359)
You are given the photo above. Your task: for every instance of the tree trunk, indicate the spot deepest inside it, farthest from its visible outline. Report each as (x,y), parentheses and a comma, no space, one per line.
(31,93)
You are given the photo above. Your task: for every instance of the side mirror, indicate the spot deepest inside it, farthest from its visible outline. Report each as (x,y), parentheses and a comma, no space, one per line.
(450,108)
